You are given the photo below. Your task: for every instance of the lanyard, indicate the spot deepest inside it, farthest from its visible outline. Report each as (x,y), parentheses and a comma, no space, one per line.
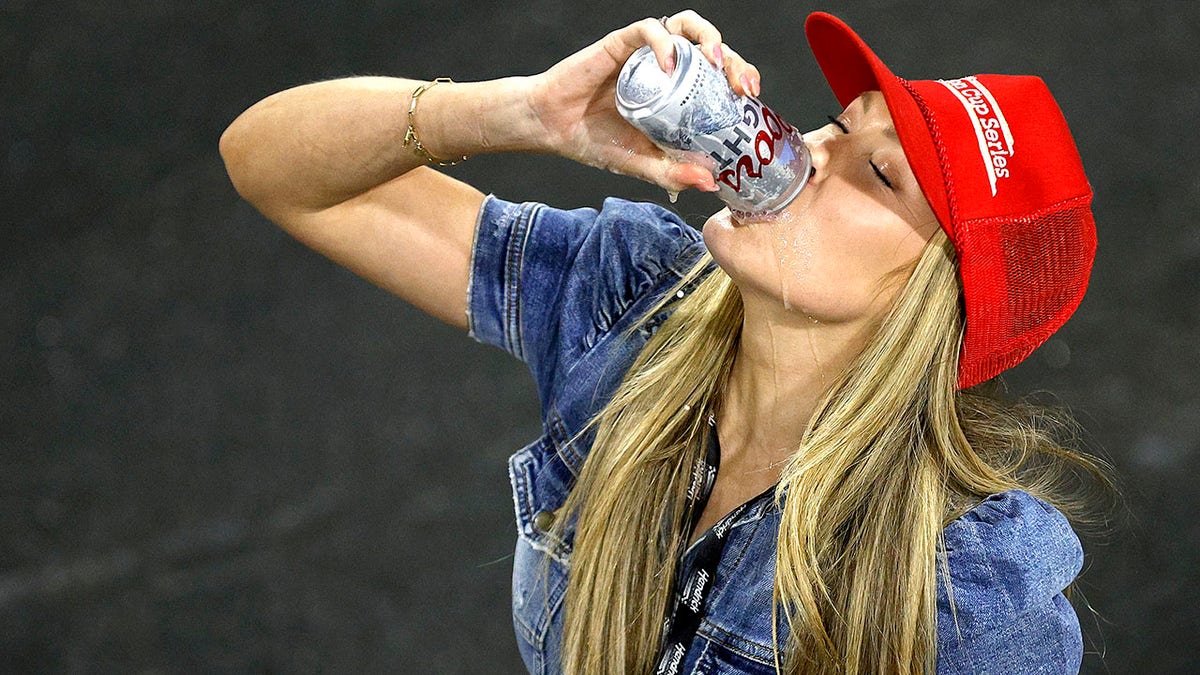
(684,619)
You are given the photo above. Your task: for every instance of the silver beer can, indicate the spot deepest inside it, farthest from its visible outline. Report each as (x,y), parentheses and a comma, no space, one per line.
(759,161)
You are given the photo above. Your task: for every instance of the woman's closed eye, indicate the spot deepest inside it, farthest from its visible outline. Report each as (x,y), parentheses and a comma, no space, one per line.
(882,177)
(874,167)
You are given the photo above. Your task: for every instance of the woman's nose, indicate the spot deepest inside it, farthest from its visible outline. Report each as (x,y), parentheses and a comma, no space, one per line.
(818,150)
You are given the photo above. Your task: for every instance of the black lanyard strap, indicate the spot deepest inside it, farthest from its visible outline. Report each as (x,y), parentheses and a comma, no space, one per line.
(688,606)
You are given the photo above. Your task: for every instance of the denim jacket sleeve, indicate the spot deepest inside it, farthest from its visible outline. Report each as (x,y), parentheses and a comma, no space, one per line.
(1010,559)
(545,283)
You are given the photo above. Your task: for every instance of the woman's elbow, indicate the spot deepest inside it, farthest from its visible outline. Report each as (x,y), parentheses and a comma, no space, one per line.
(236,153)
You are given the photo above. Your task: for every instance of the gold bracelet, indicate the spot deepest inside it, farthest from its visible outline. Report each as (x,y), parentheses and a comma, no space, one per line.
(410,136)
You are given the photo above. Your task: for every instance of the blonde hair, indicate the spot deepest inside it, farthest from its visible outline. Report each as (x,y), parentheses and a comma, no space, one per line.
(891,454)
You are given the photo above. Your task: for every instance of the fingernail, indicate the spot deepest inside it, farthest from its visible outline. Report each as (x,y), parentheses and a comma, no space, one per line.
(719,56)
(756,85)
(670,64)
(746,85)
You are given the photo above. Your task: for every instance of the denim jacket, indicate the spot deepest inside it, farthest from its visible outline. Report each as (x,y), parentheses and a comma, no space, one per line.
(554,288)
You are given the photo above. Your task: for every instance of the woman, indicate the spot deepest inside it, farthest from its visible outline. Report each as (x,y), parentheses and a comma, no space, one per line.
(787,468)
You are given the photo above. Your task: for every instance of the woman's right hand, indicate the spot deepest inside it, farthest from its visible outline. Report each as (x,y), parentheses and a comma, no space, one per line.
(574,102)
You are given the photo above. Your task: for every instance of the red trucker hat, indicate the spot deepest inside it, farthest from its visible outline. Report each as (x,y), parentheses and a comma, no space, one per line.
(995,160)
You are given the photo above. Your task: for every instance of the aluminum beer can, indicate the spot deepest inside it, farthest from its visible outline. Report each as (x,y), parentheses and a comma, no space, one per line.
(759,161)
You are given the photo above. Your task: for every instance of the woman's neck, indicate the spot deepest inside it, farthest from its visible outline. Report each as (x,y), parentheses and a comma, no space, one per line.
(783,366)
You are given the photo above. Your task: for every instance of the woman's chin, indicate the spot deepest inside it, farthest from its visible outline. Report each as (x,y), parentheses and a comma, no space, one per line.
(716,230)
(721,219)
(725,239)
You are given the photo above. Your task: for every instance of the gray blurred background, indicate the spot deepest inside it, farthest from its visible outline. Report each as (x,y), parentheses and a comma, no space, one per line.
(220,452)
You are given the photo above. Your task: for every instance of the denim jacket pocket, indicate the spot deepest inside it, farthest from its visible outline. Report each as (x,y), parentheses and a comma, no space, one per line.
(532,503)
(717,659)
(539,562)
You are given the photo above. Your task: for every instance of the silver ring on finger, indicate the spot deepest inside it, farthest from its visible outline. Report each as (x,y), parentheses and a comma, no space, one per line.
(663,21)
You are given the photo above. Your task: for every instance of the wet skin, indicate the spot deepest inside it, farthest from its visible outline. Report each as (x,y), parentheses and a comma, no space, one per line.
(811,281)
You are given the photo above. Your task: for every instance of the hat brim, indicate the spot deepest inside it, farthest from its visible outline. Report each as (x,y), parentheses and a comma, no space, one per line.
(851,68)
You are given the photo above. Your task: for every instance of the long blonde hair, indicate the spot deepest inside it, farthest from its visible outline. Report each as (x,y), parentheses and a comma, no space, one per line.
(891,454)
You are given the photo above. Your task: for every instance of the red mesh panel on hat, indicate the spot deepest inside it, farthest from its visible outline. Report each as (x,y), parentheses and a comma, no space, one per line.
(1033,271)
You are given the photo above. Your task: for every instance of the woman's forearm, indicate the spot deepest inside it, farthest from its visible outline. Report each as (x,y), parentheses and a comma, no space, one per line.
(314,146)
